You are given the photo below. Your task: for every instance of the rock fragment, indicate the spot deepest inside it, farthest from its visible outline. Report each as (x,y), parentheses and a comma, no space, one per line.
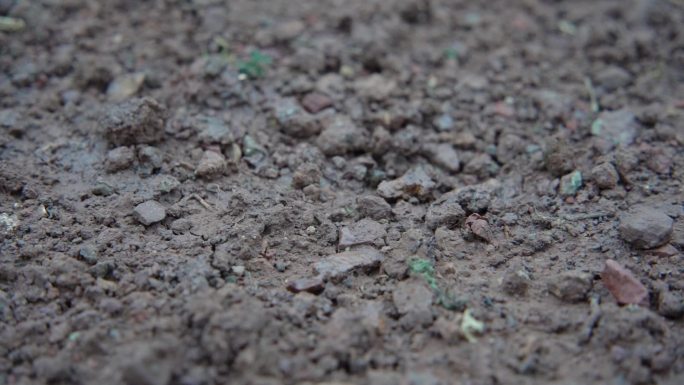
(415,182)
(515,282)
(445,211)
(338,265)
(373,207)
(313,285)
(645,227)
(622,284)
(213,130)
(364,232)
(605,176)
(612,78)
(306,174)
(571,286)
(670,305)
(294,121)
(212,164)
(135,121)
(119,159)
(479,226)
(149,212)
(316,102)
(342,136)
(616,127)
(443,155)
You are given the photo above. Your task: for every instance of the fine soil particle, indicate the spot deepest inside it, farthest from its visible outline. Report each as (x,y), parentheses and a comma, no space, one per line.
(341,192)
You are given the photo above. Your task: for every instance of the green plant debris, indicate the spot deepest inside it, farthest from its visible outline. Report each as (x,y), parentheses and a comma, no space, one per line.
(567,27)
(596,127)
(423,268)
(571,183)
(451,54)
(592,94)
(470,326)
(255,66)
(11,24)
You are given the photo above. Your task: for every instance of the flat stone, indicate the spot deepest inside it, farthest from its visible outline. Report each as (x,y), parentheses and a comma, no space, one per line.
(373,207)
(149,212)
(336,266)
(416,182)
(366,231)
(645,227)
(622,284)
(571,286)
(313,285)
(315,102)
(444,155)
(616,127)
(612,78)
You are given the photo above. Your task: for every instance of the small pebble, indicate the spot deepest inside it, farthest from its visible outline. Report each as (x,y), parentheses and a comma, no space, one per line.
(316,102)
(645,227)
(149,212)
(212,164)
(605,176)
(312,285)
(119,159)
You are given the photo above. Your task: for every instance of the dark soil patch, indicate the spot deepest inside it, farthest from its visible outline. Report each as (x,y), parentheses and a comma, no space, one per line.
(349,192)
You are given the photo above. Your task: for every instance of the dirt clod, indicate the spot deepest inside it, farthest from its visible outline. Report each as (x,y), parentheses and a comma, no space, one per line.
(134,122)
(570,286)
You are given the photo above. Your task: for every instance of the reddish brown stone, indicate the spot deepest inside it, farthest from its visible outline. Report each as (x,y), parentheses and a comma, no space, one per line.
(623,285)
(316,102)
(312,285)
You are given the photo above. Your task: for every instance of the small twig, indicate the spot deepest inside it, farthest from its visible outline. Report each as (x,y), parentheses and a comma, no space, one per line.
(200,200)
(581,217)
(591,321)
(592,94)
(11,24)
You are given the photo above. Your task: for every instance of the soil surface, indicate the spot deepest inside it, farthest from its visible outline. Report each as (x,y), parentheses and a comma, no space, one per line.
(341,192)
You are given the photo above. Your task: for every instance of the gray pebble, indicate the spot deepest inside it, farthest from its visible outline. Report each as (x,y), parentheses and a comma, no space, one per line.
(645,228)
(149,212)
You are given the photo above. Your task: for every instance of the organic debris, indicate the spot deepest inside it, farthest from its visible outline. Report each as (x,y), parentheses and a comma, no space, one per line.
(470,326)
